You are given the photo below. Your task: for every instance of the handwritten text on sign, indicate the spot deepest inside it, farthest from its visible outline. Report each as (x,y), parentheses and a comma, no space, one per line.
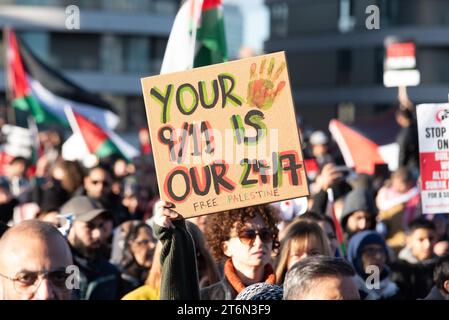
(433,129)
(225,136)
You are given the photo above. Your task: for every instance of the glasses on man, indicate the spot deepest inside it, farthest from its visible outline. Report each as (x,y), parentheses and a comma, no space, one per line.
(27,282)
(248,236)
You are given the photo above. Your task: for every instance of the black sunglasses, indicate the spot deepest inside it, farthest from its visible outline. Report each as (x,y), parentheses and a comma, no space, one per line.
(248,236)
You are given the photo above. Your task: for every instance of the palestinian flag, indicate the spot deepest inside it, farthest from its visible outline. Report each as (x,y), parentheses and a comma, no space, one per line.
(101,142)
(41,90)
(361,152)
(210,36)
(197,32)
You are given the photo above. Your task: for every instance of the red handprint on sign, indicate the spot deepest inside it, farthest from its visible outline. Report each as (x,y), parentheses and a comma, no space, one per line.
(262,90)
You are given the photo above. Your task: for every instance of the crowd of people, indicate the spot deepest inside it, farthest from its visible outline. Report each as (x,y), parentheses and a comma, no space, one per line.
(72,232)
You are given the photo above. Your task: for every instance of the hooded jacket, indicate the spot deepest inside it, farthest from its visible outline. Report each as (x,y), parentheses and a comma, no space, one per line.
(357,199)
(385,289)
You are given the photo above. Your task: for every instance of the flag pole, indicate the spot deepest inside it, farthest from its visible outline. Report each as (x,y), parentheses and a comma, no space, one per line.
(9,109)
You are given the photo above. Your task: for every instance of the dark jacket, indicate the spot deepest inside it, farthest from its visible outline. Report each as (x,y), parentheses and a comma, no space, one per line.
(219,291)
(415,280)
(407,140)
(435,294)
(387,289)
(178,259)
(99,280)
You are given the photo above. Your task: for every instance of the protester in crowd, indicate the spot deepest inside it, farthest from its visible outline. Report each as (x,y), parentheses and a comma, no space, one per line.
(138,249)
(97,185)
(34,258)
(151,289)
(69,173)
(321,278)
(244,240)
(398,202)
(420,241)
(319,142)
(328,226)
(368,254)
(88,236)
(359,212)
(441,278)
(16,175)
(407,140)
(412,272)
(303,238)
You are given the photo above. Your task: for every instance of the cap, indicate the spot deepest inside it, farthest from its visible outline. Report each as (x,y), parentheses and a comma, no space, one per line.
(83,208)
(318,137)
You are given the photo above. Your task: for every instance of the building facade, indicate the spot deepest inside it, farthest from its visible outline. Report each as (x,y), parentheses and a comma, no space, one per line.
(118,42)
(336,62)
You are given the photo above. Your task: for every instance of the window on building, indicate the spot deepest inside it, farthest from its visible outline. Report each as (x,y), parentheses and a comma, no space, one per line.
(75,51)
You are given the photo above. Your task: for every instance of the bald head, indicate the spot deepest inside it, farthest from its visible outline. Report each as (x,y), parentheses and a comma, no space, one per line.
(28,250)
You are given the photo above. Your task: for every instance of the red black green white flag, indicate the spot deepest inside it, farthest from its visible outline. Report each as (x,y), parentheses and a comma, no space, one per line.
(197,37)
(36,87)
(99,141)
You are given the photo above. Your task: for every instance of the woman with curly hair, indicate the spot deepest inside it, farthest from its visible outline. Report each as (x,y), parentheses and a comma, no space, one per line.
(244,240)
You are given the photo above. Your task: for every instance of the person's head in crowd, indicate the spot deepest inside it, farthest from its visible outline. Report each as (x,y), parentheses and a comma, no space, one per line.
(367,248)
(52,196)
(151,288)
(420,239)
(404,117)
(120,168)
(244,239)
(69,173)
(321,278)
(207,269)
(303,238)
(368,254)
(359,212)
(18,167)
(138,250)
(319,142)
(131,196)
(441,276)
(34,257)
(327,225)
(261,291)
(92,226)
(97,182)
(402,180)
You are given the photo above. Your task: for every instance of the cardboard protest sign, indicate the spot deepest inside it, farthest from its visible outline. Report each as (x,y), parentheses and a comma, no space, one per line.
(225,136)
(433,132)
